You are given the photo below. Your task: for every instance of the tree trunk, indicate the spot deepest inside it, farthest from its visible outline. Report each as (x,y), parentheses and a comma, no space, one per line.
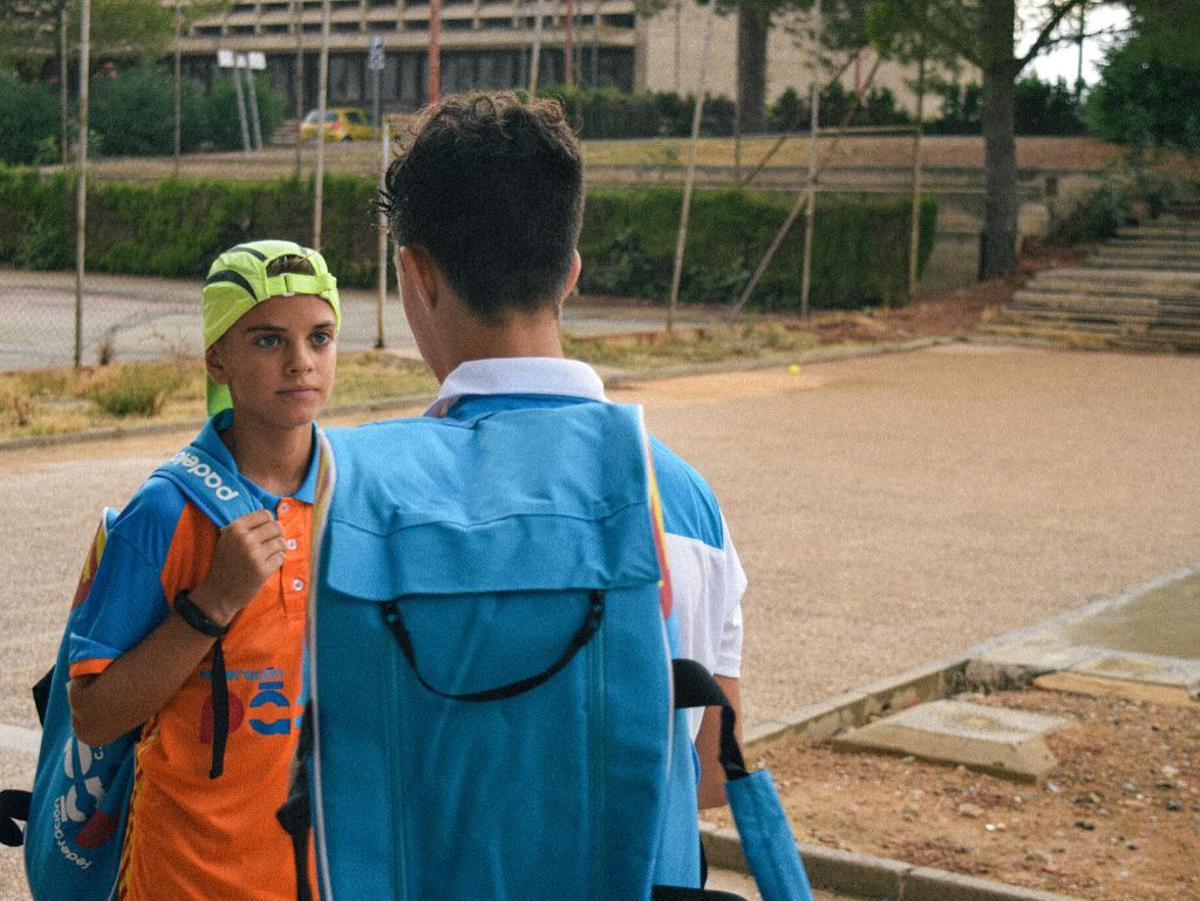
(752,69)
(999,246)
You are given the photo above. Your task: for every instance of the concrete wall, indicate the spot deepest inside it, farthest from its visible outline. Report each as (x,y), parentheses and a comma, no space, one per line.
(788,58)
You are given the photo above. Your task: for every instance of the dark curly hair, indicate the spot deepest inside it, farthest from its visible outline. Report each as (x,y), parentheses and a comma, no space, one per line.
(492,187)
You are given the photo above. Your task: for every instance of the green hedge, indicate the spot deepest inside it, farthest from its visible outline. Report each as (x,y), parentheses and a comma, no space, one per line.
(175,228)
(860,247)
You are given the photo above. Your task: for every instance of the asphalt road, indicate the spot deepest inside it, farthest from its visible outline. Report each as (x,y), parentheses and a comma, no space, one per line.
(142,318)
(889,511)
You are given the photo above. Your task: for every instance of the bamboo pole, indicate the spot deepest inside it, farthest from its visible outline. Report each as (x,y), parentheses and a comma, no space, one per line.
(255,121)
(569,44)
(810,213)
(798,207)
(322,101)
(435,52)
(178,87)
(914,239)
(85,50)
(64,74)
(697,112)
(298,26)
(596,44)
(535,49)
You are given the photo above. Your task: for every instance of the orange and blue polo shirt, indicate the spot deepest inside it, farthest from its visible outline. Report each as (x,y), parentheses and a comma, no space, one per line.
(189,836)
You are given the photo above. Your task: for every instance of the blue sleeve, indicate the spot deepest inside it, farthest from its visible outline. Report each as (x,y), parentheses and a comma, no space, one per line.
(126,601)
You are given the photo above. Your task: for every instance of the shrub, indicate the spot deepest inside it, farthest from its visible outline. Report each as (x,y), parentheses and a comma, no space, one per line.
(860,248)
(788,113)
(1043,108)
(137,389)
(30,116)
(1148,96)
(134,113)
(221,112)
(176,228)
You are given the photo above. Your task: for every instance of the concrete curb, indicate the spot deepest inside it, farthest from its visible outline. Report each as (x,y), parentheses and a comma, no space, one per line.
(931,682)
(616,379)
(866,876)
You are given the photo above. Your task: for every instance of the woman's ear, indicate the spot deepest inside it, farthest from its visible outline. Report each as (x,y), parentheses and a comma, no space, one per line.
(215,365)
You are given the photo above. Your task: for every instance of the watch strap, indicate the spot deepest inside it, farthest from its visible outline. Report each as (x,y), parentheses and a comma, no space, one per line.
(195,617)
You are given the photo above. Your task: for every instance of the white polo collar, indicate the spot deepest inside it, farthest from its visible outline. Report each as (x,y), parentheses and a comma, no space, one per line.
(518,375)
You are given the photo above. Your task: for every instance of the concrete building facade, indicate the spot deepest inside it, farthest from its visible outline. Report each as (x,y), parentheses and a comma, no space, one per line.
(486,45)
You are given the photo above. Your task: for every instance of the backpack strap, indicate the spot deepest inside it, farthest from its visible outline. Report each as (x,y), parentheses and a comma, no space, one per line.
(220,495)
(208,484)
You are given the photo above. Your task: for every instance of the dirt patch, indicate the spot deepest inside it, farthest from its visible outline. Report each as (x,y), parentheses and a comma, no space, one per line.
(1119,818)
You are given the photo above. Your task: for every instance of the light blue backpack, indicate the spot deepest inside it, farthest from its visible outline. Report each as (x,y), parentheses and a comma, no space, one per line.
(494,709)
(77,811)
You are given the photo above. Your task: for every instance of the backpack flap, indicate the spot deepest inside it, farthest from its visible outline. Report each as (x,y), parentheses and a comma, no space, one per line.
(549,791)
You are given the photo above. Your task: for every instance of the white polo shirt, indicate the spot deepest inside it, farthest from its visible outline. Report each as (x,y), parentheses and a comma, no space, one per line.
(707,579)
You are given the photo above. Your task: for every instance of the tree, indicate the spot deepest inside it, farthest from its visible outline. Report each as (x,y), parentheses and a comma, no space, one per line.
(984,34)
(1149,90)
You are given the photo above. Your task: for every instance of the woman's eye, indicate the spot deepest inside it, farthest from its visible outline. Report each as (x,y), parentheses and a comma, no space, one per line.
(267,341)
(320,338)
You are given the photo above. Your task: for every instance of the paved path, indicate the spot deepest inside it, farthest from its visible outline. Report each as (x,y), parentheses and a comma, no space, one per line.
(154,318)
(889,510)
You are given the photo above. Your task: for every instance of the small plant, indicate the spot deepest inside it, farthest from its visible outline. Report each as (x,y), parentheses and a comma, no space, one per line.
(138,389)
(19,405)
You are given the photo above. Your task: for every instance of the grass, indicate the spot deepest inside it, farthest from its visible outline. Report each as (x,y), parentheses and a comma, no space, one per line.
(55,401)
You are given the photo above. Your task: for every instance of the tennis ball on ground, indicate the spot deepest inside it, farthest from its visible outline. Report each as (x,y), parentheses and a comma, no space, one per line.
(794,369)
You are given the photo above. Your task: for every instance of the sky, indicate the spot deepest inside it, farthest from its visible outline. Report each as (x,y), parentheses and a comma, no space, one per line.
(1064,61)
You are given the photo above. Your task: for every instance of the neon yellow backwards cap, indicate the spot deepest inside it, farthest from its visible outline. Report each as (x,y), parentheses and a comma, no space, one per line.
(238,279)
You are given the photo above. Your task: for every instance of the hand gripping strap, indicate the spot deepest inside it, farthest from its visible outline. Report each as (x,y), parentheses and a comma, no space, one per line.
(221,497)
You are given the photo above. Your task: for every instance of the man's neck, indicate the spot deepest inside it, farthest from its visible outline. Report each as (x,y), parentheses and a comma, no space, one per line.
(521,335)
(275,460)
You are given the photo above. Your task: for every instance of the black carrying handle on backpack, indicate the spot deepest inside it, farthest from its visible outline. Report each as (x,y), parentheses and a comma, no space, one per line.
(696,687)
(295,816)
(15,802)
(591,624)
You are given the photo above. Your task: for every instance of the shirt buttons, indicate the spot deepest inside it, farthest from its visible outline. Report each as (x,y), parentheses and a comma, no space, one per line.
(291,544)
(297,584)
(284,506)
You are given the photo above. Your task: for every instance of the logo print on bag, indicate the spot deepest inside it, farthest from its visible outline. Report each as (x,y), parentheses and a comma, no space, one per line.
(191,464)
(79,805)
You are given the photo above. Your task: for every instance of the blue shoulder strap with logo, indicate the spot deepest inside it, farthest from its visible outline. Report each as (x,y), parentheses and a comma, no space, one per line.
(77,812)
(208,484)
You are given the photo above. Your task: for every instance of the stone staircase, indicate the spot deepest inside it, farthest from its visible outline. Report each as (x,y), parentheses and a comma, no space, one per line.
(1138,291)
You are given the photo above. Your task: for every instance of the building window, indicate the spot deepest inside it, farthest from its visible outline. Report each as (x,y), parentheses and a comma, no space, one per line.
(346,77)
(345,27)
(207,30)
(458,24)
(276,29)
(490,24)
(382,25)
(240,29)
(617,21)
(417,25)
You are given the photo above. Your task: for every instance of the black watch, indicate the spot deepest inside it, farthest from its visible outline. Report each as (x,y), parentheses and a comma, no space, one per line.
(195,617)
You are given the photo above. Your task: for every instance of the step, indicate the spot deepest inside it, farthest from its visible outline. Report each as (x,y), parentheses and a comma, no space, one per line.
(1103,261)
(1127,275)
(1097,339)
(1101,290)
(1151,248)
(1163,233)
(1170,308)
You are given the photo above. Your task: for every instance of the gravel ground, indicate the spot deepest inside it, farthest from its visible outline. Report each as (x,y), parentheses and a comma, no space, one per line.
(1117,818)
(889,511)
